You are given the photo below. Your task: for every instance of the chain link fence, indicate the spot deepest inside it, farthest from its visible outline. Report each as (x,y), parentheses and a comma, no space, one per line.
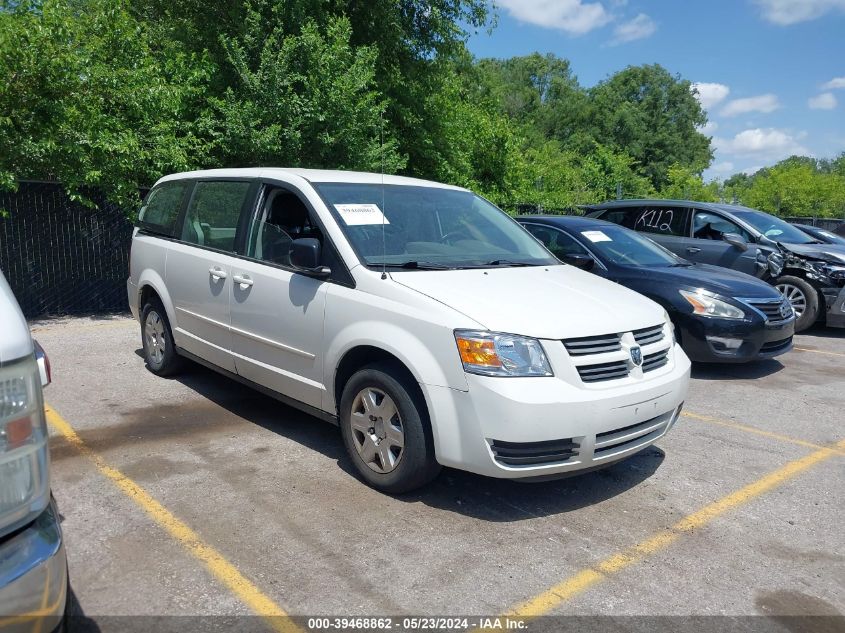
(828,224)
(61,257)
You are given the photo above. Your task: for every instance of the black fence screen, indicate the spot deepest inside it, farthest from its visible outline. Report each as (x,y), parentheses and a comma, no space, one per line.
(61,257)
(828,224)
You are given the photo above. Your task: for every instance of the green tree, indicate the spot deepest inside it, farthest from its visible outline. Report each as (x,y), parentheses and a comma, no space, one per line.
(683,184)
(86,97)
(653,116)
(308,100)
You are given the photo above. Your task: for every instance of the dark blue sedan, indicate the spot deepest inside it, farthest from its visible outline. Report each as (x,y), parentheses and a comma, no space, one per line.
(720,315)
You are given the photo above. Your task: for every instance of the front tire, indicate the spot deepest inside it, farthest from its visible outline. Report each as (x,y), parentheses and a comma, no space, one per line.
(157,340)
(804,300)
(386,431)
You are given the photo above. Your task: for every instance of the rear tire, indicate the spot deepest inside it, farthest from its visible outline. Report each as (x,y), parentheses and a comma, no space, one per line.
(386,430)
(804,299)
(157,340)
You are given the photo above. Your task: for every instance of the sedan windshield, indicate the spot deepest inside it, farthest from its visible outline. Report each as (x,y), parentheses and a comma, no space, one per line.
(774,228)
(627,248)
(429,228)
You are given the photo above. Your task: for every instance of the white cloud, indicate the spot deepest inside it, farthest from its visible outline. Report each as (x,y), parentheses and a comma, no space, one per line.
(767,144)
(786,12)
(833,84)
(760,103)
(708,128)
(725,167)
(573,16)
(710,94)
(750,171)
(639,28)
(825,101)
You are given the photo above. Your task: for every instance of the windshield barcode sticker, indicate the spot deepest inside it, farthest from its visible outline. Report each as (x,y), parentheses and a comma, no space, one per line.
(361,214)
(596,236)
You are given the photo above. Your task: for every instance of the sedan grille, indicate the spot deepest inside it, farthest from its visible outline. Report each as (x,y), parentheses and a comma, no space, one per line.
(649,335)
(534,453)
(593,344)
(774,311)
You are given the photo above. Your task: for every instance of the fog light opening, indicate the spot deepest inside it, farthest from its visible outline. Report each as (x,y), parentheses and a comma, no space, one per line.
(722,344)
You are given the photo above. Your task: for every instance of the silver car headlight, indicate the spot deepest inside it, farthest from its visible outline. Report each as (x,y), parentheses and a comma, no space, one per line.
(494,354)
(707,305)
(24,458)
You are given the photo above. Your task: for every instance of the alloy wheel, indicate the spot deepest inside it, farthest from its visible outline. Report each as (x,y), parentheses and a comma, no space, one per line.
(796,298)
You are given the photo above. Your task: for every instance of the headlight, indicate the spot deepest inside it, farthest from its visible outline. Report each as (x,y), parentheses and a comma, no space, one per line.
(705,305)
(492,354)
(24,484)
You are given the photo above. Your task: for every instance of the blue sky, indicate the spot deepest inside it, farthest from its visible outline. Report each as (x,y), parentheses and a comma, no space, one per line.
(772,72)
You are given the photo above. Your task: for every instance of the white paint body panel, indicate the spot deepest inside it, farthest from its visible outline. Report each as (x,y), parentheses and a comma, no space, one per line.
(289,332)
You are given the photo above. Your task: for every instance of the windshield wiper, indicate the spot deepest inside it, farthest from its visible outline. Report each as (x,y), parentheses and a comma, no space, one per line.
(507,262)
(413,265)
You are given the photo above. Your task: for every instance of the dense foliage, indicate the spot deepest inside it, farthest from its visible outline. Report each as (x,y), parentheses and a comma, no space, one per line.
(111,94)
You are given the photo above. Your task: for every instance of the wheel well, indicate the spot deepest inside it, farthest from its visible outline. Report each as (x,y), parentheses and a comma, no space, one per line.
(364,355)
(147,292)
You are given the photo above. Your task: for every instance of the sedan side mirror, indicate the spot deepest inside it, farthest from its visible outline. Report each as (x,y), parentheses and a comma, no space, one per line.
(579,260)
(305,256)
(736,240)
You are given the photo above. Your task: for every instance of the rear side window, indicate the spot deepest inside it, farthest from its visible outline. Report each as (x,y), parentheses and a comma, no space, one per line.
(662,221)
(558,242)
(162,206)
(213,214)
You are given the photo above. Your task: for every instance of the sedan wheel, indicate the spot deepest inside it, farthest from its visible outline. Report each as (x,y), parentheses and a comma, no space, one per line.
(795,296)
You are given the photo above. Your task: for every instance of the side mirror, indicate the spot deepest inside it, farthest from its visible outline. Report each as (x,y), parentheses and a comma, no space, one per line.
(581,260)
(305,256)
(736,240)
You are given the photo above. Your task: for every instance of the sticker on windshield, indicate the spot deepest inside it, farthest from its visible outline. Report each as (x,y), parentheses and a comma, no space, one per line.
(596,236)
(361,214)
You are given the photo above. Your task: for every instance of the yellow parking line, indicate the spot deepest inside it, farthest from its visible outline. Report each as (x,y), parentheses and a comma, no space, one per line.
(214,561)
(817,351)
(756,431)
(583,580)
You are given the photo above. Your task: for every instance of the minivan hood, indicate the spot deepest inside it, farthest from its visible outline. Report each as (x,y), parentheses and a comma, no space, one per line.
(550,302)
(16,342)
(716,279)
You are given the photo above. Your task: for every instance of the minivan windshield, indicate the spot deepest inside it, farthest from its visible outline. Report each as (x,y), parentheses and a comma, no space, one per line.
(419,227)
(774,228)
(627,248)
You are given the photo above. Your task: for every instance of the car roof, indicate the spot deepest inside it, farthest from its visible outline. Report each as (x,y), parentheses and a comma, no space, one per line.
(717,206)
(16,341)
(311,175)
(575,222)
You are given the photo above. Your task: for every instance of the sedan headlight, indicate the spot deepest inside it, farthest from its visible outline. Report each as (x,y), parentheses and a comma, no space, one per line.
(707,305)
(493,354)
(24,483)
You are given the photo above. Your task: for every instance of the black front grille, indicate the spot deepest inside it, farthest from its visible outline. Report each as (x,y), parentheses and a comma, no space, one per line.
(775,346)
(593,344)
(649,335)
(773,310)
(603,371)
(630,436)
(655,360)
(534,453)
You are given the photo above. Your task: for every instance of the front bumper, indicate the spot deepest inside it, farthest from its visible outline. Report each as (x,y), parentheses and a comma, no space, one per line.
(835,301)
(483,429)
(33,576)
(700,337)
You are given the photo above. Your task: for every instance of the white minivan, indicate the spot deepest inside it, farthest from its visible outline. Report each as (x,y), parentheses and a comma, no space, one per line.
(420,318)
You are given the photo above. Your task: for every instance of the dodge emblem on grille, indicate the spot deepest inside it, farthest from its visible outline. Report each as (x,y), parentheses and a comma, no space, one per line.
(636,356)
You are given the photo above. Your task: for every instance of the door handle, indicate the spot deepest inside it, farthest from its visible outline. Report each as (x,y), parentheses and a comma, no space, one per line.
(243,280)
(693,250)
(217,273)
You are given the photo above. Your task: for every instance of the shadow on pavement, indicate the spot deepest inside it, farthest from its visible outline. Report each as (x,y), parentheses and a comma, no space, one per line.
(736,371)
(455,491)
